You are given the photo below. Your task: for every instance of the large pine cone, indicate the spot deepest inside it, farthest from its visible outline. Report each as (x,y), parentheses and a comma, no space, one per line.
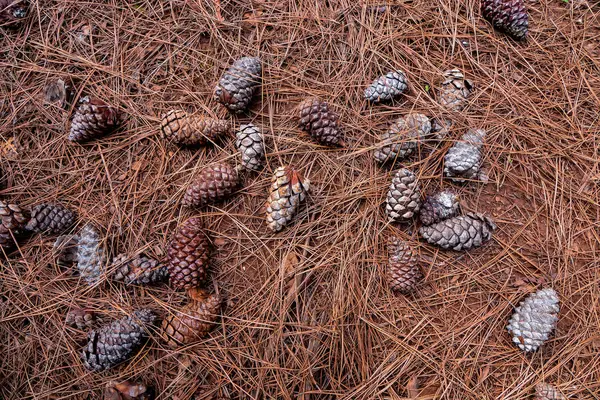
(439,206)
(128,390)
(404,196)
(214,183)
(534,319)
(80,318)
(387,87)
(12,221)
(192,130)
(239,83)
(194,321)
(403,272)
(13,11)
(288,190)
(94,118)
(459,233)
(403,138)
(188,255)
(320,122)
(508,16)
(65,250)
(545,391)
(138,270)
(463,160)
(249,141)
(116,342)
(455,90)
(91,255)
(50,218)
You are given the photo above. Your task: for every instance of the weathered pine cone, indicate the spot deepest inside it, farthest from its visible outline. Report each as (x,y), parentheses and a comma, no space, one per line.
(13,11)
(192,130)
(91,255)
(80,318)
(534,319)
(440,206)
(545,391)
(455,90)
(93,119)
(128,390)
(463,160)
(214,183)
(403,272)
(320,122)
(249,142)
(403,138)
(459,233)
(50,218)
(188,255)
(387,87)
(116,342)
(239,83)
(12,221)
(288,190)
(65,250)
(509,16)
(138,270)
(404,197)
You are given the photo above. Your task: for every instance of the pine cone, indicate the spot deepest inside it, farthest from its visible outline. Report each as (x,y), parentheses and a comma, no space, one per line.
(138,270)
(94,118)
(545,391)
(534,319)
(455,90)
(50,218)
(403,138)
(13,11)
(440,128)
(250,144)
(192,130)
(508,16)
(403,272)
(12,221)
(188,255)
(214,183)
(387,87)
(194,321)
(65,250)
(128,390)
(463,160)
(239,83)
(440,206)
(404,196)
(116,342)
(288,190)
(91,257)
(80,318)
(320,122)
(459,233)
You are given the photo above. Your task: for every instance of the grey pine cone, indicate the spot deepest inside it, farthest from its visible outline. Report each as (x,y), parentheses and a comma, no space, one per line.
(439,206)
(50,218)
(91,256)
(459,233)
(403,138)
(387,87)
(249,142)
(404,196)
(455,90)
(463,160)
(239,83)
(545,391)
(138,270)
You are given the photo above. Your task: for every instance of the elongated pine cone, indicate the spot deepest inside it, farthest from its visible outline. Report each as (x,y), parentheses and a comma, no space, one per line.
(93,119)
(214,183)
(403,138)
(194,321)
(13,11)
(534,319)
(288,190)
(387,87)
(320,122)
(545,391)
(455,90)
(80,318)
(439,206)
(128,390)
(509,16)
(403,271)
(65,250)
(192,130)
(138,270)
(188,255)
(116,342)
(50,218)
(239,83)
(249,142)
(404,196)
(91,256)
(459,233)
(12,221)
(464,158)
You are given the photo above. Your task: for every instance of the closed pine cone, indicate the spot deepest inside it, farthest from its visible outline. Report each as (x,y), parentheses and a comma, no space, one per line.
(12,221)
(403,272)
(288,190)
(194,321)
(387,87)
(463,160)
(320,122)
(13,11)
(214,183)
(188,255)
(404,196)
(192,130)
(138,270)
(459,233)
(455,90)
(50,218)
(545,391)
(508,16)
(128,390)
(91,255)
(239,83)
(439,206)
(80,318)
(94,118)
(249,142)
(403,138)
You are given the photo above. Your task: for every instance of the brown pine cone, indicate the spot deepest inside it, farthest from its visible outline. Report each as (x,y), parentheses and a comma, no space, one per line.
(138,270)
(508,16)
(188,255)
(192,130)
(404,196)
(12,221)
(239,83)
(460,233)
(13,11)
(455,90)
(214,183)
(94,118)
(320,122)
(194,321)
(50,218)
(545,391)
(403,272)
(288,190)
(80,318)
(128,390)
(439,206)
(65,250)
(403,138)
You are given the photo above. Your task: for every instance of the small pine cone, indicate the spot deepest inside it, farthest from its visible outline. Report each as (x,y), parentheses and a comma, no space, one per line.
(404,196)
(91,256)
(128,390)
(213,184)
(194,321)
(65,250)
(534,319)
(94,118)
(188,255)
(13,11)
(440,128)
(455,90)
(138,270)
(239,83)
(403,271)
(463,160)
(288,190)
(545,391)
(250,144)
(509,16)
(440,206)
(387,87)
(192,130)
(403,138)
(80,318)
(12,221)
(50,218)
(320,122)
(116,342)
(459,233)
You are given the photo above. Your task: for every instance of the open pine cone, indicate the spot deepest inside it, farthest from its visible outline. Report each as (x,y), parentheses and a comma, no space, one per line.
(288,190)
(12,222)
